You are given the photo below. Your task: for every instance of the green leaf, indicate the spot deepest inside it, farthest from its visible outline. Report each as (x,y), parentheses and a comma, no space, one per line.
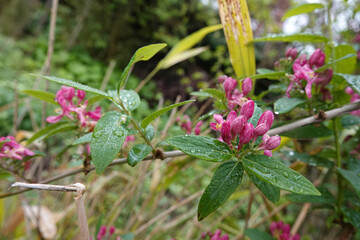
(271,192)
(142,54)
(45,131)
(305,8)
(186,44)
(202,147)
(309,159)
(264,71)
(346,65)
(182,56)
(349,120)
(149,132)
(83,139)
(351,216)
(225,181)
(156,114)
(108,137)
(256,116)
(73,84)
(276,173)
(256,234)
(284,105)
(353,80)
(309,131)
(61,129)
(45,96)
(300,37)
(236,22)
(325,198)
(352,176)
(214,93)
(95,99)
(331,64)
(270,75)
(138,153)
(130,99)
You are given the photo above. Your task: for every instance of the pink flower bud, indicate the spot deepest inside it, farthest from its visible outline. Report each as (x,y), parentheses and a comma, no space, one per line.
(245,135)
(203,235)
(296,237)
(291,53)
(225,237)
(111,230)
(229,86)
(273,227)
(284,236)
(222,78)
(280,224)
(349,90)
(66,92)
(267,117)
(218,118)
(301,60)
(260,130)
(268,153)
(237,125)
(246,86)
(231,117)
(80,94)
(225,133)
(317,59)
(248,109)
(273,142)
(286,228)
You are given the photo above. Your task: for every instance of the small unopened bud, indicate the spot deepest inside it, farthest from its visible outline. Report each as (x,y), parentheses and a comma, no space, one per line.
(229,86)
(349,90)
(111,230)
(267,117)
(317,59)
(222,78)
(80,94)
(237,126)
(291,53)
(273,142)
(245,135)
(260,130)
(247,109)
(246,86)
(225,133)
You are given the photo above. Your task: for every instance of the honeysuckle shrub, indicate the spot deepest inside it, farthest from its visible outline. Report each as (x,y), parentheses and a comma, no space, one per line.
(240,134)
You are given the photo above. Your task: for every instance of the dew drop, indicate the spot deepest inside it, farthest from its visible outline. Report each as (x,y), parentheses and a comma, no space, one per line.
(291,153)
(118,132)
(285,174)
(276,112)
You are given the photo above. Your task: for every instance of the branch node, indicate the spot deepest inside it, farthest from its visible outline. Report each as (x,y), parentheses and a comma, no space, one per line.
(80,190)
(321,116)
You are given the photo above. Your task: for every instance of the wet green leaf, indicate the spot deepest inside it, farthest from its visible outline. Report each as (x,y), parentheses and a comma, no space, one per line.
(309,131)
(353,80)
(349,120)
(108,137)
(325,198)
(202,147)
(45,131)
(225,181)
(309,159)
(138,153)
(285,104)
(256,116)
(271,192)
(273,171)
(130,99)
(347,56)
(83,139)
(351,216)
(156,114)
(256,234)
(337,62)
(270,75)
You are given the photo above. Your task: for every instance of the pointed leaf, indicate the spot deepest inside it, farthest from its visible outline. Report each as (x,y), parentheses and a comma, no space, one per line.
(270,75)
(202,147)
(225,181)
(138,153)
(235,19)
(156,114)
(276,173)
(108,137)
(256,116)
(284,105)
(45,96)
(182,56)
(73,84)
(300,37)
(142,54)
(304,8)
(61,129)
(45,131)
(83,139)
(353,80)
(95,99)
(312,160)
(325,198)
(346,65)
(331,64)
(352,176)
(130,99)
(271,192)
(310,131)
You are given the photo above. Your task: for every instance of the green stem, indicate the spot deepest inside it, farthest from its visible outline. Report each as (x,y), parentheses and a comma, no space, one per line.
(338,164)
(137,127)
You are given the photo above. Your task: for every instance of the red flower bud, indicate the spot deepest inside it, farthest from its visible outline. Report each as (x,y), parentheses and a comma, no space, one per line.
(245,135)
(248,109)
(225,133)
(237,125)
(246,86)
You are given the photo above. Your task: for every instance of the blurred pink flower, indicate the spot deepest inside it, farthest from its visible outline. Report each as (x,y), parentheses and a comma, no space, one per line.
(12,149)
(281,231)
(355,97)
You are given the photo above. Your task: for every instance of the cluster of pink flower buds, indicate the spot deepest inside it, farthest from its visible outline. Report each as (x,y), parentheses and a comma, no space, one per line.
(102,234)
(304,70)
(235,126)
(281,231)
(65,97)
(232,93)
(186,125)
(12,149)
(355,97)
(214,236)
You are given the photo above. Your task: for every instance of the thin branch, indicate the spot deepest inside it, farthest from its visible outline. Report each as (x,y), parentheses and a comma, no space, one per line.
(47,187)
(328,115)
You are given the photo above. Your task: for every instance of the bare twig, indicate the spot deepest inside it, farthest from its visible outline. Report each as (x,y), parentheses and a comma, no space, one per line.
(300,219)
(47,187)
